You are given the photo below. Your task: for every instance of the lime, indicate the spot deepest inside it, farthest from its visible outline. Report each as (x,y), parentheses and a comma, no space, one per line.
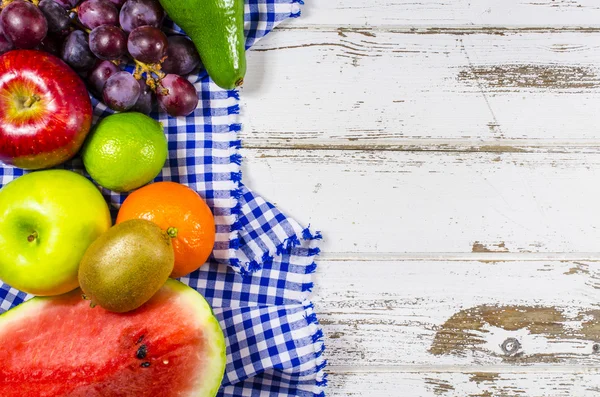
(125,151)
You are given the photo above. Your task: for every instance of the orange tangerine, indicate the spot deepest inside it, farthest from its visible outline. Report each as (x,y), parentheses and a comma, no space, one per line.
(183,214)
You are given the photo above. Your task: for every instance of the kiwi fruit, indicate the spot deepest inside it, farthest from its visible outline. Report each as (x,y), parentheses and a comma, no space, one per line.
(126,266)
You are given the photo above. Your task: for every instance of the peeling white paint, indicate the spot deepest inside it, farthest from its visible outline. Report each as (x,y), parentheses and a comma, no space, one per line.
(456,165)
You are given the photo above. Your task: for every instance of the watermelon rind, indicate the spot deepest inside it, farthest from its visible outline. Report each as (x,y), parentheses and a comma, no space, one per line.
(208,378)
(216,350)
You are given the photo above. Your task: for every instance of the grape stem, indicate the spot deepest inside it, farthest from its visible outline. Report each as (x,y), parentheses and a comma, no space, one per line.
(150,70)
(75,22)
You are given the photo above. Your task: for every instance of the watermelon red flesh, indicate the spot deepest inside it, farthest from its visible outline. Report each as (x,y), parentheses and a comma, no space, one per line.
(60,346)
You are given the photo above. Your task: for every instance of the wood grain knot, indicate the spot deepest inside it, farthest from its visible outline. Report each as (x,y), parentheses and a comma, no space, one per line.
(511,346)
(520,334)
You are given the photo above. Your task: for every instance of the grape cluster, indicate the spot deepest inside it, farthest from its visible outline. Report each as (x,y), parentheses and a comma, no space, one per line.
(97,37)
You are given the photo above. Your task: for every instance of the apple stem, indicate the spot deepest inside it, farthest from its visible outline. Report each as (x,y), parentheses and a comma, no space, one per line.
(32,237)
(31,100)
(172,232)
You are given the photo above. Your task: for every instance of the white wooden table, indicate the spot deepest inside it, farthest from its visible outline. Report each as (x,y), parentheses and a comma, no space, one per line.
(450,153)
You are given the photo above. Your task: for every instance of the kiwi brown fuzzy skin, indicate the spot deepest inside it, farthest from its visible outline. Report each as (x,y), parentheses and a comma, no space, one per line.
(126,266)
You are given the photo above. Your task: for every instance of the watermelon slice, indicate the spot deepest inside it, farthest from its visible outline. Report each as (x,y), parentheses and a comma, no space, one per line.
(60,346)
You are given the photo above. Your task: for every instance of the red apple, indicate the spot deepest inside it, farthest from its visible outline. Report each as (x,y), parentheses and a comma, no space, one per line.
(45,110)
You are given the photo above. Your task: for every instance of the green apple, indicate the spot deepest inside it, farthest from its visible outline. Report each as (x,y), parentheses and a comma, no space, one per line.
(47,221)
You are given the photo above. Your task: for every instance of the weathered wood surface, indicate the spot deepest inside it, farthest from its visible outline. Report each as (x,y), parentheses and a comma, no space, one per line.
(436,202)
(441,313)
(568,382)
(350,89)
(435,259)
(450,152)
(483,328)
(428,13)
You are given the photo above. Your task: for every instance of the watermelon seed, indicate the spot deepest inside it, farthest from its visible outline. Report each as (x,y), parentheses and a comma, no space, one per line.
(140,340)
(145,364)
(142,351)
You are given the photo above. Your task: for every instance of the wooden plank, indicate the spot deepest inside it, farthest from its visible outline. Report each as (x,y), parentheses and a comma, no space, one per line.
(387,90)
(449,315)
(456,12)
(533,383)
(423,202)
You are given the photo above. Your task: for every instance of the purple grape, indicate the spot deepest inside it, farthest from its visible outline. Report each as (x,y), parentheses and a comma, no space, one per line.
(99,75)
(56,16)
(5,44)
(121,91)
(76,51)
(67,4)
(118,3)
(108,42)
(182,56)
(23,24)
(147,44)
(145,102)
(136,13)
(94,13)
(177,96)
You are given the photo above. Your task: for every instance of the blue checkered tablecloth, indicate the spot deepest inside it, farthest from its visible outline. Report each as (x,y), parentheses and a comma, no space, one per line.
(260,275)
